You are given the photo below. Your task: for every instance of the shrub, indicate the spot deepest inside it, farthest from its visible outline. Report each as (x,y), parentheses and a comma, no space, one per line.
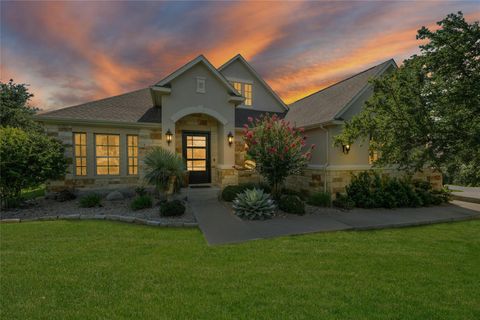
(172,208)
(164,169)
(343,201)
(254,204)
(64,195)
(141,202)
(277,148)
(90,200)
(286,191)
(141,191)
(27,160)
(320,199)
(291,204)
(229,193)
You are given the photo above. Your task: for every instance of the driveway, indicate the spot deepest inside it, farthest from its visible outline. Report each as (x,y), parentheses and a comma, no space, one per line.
(470,194)
(220,225)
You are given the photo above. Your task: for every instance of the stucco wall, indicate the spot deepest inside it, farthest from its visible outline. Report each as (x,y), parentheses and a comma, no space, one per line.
(147,138)
(262,99)
(184,99)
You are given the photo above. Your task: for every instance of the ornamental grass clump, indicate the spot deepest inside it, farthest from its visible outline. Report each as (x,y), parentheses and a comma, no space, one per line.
(278,149)
(254,204)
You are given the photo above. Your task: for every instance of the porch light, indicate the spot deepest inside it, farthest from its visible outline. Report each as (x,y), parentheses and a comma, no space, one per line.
(169,136)
(346,148)
(230,138)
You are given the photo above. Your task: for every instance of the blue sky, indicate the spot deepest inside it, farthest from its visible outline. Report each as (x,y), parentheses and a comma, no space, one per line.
(73,52)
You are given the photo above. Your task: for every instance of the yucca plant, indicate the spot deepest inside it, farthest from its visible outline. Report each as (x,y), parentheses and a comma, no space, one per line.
(164,169)
(254,204)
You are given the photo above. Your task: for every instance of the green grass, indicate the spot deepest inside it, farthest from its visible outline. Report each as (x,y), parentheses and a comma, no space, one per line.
(33,193)
(105,270)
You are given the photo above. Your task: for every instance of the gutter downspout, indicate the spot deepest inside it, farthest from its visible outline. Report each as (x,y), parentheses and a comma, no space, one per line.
(326,159)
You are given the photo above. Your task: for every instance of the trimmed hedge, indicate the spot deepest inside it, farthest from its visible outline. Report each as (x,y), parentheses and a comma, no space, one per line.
(320,199)
(141,202)
(172,208)
(291,204)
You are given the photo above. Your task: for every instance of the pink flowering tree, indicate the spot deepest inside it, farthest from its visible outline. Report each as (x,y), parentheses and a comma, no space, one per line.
(278,149)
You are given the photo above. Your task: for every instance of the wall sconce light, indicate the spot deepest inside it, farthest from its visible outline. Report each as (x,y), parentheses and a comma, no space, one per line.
(230,138)
(169,136)
(346,148)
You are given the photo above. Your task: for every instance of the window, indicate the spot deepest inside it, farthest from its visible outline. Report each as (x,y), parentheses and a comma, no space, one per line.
(80,142)
(237,86)
(248,94)
(196,153)
(372,156)
(107,153)
(132,154)
(201,85)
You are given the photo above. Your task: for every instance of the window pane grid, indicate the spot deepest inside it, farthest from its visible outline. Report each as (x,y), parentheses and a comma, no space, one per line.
(248,94)
(132,154)
(80,153)
(107,149)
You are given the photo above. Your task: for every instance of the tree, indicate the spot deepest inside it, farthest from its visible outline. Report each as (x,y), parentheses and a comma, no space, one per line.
(27,159)
(14,108)
(164,169)
(277,148)
(427,112)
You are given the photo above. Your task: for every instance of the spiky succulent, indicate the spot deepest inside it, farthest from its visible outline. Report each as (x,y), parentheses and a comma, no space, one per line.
(254,204)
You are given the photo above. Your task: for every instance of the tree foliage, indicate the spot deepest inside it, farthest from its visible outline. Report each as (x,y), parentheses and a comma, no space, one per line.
(15,110)
(427,112)
(278,149)
(27,159)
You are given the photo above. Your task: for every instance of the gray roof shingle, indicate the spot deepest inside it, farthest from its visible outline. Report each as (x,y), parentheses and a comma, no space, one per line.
(135,106)
(242,114)
(322,106)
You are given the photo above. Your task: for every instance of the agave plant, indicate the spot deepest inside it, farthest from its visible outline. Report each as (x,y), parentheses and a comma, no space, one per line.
(254,204)
(164,169)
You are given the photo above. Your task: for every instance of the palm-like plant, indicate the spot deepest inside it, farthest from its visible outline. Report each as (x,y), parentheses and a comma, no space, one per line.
(164,169)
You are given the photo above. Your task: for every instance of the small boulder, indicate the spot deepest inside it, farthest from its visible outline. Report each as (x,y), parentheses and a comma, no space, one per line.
(114,195)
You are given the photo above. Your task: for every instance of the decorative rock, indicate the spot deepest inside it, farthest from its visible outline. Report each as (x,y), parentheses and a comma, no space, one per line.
(10,220)
(190,224)
(99,217)
(70,217)
(152,223)
(114,195)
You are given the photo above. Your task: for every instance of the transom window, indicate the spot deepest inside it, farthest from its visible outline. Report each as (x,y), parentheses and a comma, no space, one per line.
(80,142)
(132,154)
(107,153)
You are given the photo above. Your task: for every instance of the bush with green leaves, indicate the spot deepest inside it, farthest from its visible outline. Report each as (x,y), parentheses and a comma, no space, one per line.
(320,199)
(254,204)
(229,193)
(27,159)
(141,202)
(172,208)
(301,195)
(90,200)
(343,201)
(291,203)
(140,191)
(164,169)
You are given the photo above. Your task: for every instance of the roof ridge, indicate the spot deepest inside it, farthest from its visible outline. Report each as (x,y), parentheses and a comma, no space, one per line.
(341,81)
(99,100)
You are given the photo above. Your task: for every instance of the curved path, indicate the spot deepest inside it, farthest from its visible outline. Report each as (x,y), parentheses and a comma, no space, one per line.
(220,226)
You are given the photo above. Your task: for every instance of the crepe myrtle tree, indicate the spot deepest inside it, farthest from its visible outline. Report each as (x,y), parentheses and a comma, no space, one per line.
(278,148)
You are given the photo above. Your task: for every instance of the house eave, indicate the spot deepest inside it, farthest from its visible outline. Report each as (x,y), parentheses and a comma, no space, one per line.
(107,123)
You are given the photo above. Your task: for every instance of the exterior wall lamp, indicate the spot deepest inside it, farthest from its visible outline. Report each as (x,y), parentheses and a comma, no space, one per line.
(169,136)
(230,138)
(346,148)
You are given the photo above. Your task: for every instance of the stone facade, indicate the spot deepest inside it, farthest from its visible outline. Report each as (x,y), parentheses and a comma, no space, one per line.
(147,138)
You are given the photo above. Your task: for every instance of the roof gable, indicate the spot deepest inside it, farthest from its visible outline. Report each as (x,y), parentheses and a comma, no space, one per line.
(200,59)
(330,103)
(255,74)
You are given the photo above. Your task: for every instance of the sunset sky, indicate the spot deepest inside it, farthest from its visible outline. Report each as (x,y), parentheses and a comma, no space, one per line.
(73,52)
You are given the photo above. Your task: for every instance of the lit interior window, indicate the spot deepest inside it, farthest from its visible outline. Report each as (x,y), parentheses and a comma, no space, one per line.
(248,94)
(132,145)
(107,153)
(80,142)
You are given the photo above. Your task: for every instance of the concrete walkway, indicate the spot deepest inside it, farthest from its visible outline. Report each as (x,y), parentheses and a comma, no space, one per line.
(220,225)
(469,194)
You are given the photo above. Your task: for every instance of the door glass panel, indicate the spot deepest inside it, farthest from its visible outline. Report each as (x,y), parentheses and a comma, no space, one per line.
(199,153)
(196,153)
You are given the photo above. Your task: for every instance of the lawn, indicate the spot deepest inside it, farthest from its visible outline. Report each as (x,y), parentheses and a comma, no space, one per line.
(105,270)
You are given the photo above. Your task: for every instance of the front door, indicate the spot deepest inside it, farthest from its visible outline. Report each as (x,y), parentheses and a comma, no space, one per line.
(196,152)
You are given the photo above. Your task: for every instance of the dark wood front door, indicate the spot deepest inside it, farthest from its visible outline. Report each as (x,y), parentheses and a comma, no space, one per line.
(196,152)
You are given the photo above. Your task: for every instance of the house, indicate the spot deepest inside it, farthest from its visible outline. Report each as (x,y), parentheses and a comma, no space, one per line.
(198,111)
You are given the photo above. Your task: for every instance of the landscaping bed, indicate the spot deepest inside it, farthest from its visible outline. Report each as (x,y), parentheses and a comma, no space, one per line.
(44,207)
